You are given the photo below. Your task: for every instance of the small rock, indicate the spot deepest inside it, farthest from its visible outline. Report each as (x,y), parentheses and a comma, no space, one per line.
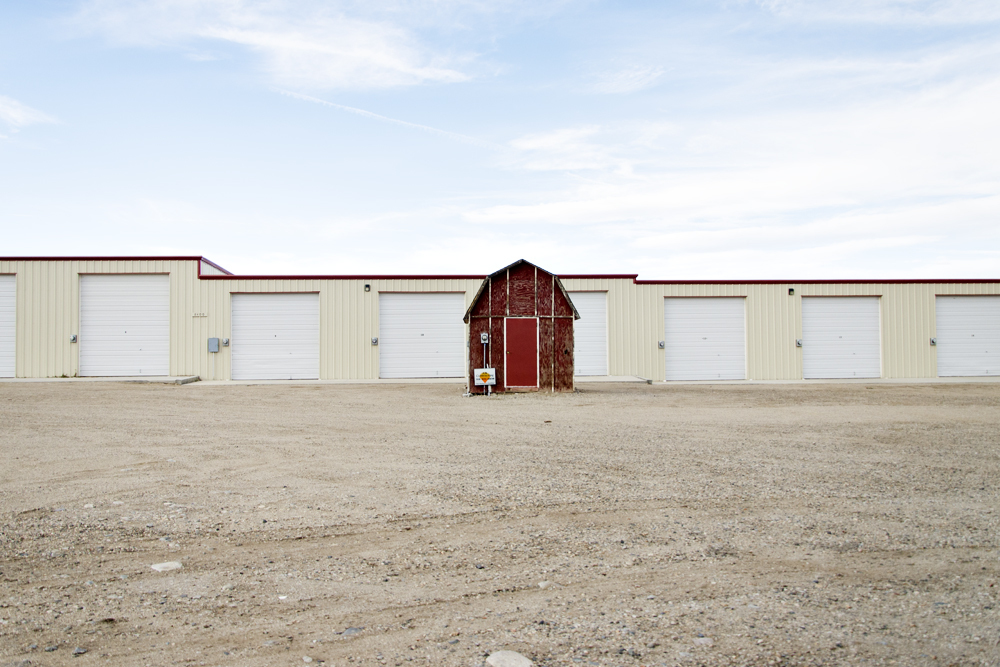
(49,649)
(117,502)
(508,659)
(544,584)
(351,631)
(703,641)
(79,651)
(652,645)
(88,506)
(306,658)
(166,567)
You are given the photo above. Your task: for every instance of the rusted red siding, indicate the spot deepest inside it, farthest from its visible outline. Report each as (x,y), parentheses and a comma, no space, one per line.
(546,344)
(563,354)
(523,290)
(545,288)
(496,350)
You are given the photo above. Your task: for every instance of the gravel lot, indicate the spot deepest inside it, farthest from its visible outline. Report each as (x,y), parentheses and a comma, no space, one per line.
(795,524)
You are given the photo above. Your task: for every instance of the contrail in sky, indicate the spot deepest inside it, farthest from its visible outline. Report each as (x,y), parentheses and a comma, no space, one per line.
(368,114)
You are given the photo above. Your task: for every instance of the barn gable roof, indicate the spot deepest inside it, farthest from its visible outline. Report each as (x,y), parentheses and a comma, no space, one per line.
(487,279)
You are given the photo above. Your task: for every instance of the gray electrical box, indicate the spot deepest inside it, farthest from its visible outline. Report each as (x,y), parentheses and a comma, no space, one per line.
(213,344)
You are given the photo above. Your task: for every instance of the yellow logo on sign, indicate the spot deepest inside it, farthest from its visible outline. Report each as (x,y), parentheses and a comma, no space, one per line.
(484,376)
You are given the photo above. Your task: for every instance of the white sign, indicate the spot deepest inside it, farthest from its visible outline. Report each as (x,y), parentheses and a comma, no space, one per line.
(485,376)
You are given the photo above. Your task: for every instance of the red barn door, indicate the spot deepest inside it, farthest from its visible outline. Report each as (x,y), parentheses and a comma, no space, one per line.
(522,352)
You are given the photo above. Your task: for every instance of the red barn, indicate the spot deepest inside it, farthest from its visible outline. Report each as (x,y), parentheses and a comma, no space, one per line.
(529,319)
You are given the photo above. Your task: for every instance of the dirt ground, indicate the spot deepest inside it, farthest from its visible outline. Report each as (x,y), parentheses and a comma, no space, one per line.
(836,524)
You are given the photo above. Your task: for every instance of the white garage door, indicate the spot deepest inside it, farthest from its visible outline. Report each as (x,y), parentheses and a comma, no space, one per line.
(124,325)
(705,338)
(8,311)
(421,335)
(968,335)
(275,337)
(590,333)
(840,338)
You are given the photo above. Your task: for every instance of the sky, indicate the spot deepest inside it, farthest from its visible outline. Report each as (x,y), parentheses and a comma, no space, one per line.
(688,140)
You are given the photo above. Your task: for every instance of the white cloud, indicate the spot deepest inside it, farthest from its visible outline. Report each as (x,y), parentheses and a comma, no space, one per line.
(803,190)
(301,44)
(627,80)
(454,136)
(18,115)
(565,149)
(887,11)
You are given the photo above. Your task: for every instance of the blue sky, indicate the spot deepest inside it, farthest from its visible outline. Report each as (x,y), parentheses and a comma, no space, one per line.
(705,139)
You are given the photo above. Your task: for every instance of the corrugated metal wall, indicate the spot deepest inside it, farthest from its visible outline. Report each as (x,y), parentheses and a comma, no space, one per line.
(48,308)
(48,312)
(774,321)
(348,320)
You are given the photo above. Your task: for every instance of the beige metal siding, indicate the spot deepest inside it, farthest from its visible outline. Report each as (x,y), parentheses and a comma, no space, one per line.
(48,307)
(48,313)
(348,318)
(209,270)
(774,321)
(8,326)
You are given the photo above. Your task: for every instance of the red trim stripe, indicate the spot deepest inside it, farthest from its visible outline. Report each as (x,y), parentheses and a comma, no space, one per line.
(343,277)
(634,277)
(110,258)
(793,283)
(213,264)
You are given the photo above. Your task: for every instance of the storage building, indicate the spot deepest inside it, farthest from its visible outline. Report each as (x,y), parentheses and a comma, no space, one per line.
(141,316)
(522,320)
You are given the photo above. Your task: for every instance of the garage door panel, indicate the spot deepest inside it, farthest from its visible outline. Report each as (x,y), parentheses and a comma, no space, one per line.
(275,336)
(841,338)
(124,325)
(590,333)
(8,326)
(968,336)
(705,338)
(422,335)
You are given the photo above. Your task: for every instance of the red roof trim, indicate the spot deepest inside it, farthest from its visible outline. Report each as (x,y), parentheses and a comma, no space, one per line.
(359,276)
(110,258)
(117,258)
(634,277)
(211,263)
(606,276)
(882,281)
